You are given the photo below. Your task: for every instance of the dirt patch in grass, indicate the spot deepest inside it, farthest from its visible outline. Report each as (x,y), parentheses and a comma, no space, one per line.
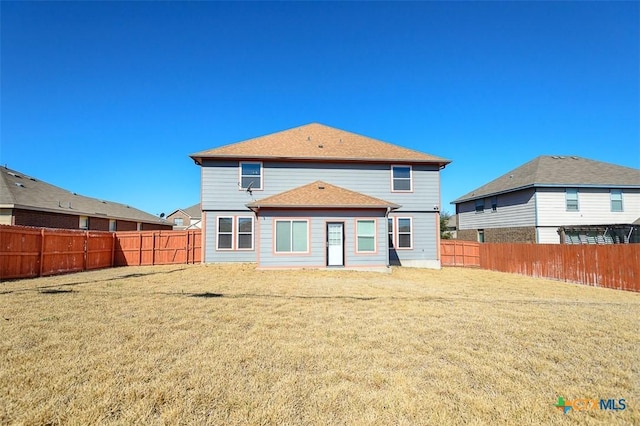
(227,344)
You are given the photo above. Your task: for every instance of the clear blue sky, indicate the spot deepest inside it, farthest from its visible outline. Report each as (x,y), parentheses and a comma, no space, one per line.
(108,99)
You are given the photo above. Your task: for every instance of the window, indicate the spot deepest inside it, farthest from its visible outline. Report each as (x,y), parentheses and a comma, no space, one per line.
(178,221)
(225,233)
(481,235)
(238,230)
(616,200)
(366,236)
(251,175)
(139,226)
(494,203)
(84,222)
(404,233)
(401,176)
(245,233)
(572,199)
(291,236)
(390,230)
(112,225)
(479,206)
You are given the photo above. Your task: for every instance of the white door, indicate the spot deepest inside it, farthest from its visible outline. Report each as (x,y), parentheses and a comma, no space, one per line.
(335,244)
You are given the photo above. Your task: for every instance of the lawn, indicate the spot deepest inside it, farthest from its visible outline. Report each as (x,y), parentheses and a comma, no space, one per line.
(227,344)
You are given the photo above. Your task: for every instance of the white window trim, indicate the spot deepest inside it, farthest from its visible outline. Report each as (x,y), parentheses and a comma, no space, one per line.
(410,178)
(275,236)
(397,229)
(375,235)
(566,200)
(86,228)
(240,175)
(611,200)
(238,233)
(115,225)
(476,204)
(225,233)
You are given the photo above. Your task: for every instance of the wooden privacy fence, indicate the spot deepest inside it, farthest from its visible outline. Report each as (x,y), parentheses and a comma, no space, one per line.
(27,252)
(459,253)
(611,265)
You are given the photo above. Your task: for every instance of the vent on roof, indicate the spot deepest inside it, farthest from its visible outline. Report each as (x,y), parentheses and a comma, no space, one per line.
(574,157)
(308,138)
(103,201)
(19,184)
(320,146)
(14,175)
(33,179)
(320,186)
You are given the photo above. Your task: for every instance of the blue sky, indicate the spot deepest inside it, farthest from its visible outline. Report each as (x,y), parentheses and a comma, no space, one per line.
(108,99)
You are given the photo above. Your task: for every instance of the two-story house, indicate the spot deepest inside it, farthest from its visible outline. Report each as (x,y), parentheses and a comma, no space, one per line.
(315,197)
(553,199)
(189,218)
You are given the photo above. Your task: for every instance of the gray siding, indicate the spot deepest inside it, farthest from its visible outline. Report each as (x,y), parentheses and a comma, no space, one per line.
(424,237)
(212,254)
(220,179)
(515,209)
(316,257)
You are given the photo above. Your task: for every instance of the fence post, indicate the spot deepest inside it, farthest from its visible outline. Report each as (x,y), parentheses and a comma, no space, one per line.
(153,245)
(113,250)
(41,252)
(86,250)
(140,250)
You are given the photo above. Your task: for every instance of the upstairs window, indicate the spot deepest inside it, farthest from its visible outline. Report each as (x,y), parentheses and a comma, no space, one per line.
(251,176)
(112,225)
(480,205)
(494,203)
(616,200)
(401,179)
(178,221)
(571,196)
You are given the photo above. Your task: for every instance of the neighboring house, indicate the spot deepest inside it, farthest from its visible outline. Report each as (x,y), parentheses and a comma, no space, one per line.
(28,201)
(315,197)
(189,218)
(533,202)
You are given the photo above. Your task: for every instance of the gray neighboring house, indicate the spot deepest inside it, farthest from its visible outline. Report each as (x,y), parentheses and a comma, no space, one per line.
(319,197)
(27,201)
(189,218)
(554,199)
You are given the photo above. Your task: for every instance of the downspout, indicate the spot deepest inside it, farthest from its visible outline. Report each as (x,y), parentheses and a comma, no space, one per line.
(386,223)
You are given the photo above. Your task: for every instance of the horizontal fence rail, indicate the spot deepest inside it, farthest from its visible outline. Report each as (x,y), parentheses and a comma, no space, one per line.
(27,252)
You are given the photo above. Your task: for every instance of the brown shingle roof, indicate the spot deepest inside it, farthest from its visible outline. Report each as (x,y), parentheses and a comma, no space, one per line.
(18,190)
(549,171)
(318,142)
(320,194)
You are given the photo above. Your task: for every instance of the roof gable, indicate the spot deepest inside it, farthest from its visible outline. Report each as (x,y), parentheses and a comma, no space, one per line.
(18,190)
(318,142)
(558,171)
(320,194)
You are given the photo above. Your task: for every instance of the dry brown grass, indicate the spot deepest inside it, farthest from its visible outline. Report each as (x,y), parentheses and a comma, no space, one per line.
(222,344)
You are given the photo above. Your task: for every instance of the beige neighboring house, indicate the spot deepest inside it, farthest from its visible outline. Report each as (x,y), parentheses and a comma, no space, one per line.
(554,199)
(189,218)
(27,201)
